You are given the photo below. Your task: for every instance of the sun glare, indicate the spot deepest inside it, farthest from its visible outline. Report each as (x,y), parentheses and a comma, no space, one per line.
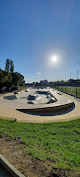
(54,59)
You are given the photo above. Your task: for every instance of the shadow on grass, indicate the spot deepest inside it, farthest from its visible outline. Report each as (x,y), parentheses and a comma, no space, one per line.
(51,112)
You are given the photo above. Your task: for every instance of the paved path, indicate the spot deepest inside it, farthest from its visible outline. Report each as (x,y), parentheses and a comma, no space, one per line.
(7,111)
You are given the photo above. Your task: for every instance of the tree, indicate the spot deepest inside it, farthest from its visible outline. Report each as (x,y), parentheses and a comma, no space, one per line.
(7,65)
(11,66)
(17,79)
(8,79)
(5,79)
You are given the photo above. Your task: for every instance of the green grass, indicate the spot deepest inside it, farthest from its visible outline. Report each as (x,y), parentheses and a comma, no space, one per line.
(70,90)
(56,143)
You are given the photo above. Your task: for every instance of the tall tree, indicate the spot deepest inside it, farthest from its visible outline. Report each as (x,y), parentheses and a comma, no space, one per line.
(7,64)
(5,79)
(11,66)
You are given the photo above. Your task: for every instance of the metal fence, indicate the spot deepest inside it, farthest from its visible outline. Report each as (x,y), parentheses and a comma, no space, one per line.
(75,91)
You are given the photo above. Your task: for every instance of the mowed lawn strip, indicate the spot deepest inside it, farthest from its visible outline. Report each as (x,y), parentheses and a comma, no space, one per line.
(56,143)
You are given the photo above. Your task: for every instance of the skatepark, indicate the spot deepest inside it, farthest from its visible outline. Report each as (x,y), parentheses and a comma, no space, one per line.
(39,106)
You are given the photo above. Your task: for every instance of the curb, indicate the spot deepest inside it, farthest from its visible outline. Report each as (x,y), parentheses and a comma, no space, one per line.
(10,168)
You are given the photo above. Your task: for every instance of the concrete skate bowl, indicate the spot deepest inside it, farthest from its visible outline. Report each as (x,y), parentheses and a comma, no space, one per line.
(38,98)
(41,102)
(41,97)
(49,105)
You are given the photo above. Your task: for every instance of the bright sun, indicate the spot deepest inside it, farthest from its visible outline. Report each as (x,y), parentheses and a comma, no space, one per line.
(54,59)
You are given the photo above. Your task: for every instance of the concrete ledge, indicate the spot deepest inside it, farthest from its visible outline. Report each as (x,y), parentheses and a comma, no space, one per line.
(10,168)
(57,107)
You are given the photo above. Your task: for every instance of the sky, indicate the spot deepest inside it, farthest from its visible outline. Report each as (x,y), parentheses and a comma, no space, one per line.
(33,31)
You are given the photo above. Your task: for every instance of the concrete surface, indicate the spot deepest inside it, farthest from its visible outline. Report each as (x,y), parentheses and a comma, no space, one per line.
(20,101)
(7,111)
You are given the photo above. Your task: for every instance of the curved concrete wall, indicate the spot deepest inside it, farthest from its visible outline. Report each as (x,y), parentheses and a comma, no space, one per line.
(58,107)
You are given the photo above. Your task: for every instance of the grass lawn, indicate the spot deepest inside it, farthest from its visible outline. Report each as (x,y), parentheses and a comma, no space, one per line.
(56,143)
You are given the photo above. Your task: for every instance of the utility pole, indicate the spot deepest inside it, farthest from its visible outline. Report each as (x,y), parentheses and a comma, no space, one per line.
(77,74)
(65,77)
(70,75)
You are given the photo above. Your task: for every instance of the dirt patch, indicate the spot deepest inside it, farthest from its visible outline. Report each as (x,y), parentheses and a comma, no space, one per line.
(13,152)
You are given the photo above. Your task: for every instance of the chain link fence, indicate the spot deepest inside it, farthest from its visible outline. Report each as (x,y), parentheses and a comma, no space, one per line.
(75,91)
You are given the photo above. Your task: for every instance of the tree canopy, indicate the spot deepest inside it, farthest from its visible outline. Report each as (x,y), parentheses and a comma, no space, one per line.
(5,79)
(9,79)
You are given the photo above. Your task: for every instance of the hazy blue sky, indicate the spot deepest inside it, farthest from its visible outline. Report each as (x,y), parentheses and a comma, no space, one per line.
(32,31)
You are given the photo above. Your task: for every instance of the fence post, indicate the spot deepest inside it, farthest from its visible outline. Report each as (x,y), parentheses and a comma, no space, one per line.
(65,89)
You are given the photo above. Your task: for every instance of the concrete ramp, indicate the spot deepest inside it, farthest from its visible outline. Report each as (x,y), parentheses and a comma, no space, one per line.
(10,97)
(52,100)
